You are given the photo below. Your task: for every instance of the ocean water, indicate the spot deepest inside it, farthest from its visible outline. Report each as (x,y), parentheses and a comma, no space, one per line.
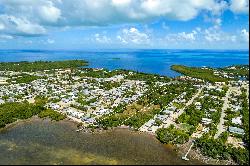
(149,61)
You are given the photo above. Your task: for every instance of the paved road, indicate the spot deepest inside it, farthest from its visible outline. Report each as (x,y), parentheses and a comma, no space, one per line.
(177,114)
(220,126)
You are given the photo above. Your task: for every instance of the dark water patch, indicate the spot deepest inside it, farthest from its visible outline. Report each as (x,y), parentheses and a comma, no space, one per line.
(45,142)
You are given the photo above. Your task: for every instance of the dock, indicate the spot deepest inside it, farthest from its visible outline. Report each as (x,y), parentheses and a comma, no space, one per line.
(185,156)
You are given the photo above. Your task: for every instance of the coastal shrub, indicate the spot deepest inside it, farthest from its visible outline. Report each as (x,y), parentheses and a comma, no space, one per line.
(11,112)
(245,114)
(140,118)
(217,149)
(191,116)
(223,137)
(171,135)
(111,121)
(24,78)
(204,74)
(40,65)
(51,114)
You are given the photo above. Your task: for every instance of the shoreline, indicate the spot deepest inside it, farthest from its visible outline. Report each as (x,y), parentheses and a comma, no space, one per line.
(179,149)
(197,155)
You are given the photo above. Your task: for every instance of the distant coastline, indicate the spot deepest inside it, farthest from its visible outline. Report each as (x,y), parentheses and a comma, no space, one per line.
(156,61)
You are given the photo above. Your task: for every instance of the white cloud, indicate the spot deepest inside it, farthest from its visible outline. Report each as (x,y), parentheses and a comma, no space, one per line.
(182,36)
(180,10)
(187,36)
(245,35)
(198,29)
(8,37)
(49,13)
(121,2)
(50,41)
(240,6)
(218,21)
(27,17)
(35,17)
(133,36)
(215,20)
(39,11)
(233,38)
(212,36)
(101,38)
(104,12)
(21,26)
(2,27)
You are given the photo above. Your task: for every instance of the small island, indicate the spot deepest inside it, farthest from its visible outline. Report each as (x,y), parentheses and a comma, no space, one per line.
(206,110)
(116,58)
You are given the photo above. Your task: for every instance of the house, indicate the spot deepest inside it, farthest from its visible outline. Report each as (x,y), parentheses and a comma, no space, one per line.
(236,108)
(198,105)
(65,100)
(161,117)
(219,89)
(28,97)
(54,106)
(205,130)
(90,120)
(236,130)
(2,101)
(10,100)
(237,120)
(206,121)
(168,112)
(172,108)
(212,110)
(102,111)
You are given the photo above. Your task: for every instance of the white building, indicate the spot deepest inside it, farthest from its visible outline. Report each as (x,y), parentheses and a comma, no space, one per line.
(237,120)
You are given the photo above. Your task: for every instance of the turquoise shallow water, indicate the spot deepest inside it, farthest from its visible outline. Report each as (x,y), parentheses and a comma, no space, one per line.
(45,142)
(149,61)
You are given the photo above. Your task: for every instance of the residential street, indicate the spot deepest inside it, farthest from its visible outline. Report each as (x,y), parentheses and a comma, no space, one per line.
(220,127)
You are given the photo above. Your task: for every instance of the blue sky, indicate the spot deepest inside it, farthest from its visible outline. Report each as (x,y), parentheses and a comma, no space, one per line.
(114,24)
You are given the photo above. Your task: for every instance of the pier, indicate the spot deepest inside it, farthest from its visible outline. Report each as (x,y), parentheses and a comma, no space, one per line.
(185,156)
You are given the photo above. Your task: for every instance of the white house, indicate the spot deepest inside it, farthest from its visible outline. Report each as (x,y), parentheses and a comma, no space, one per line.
(2,101)
(206,121)
(237,120)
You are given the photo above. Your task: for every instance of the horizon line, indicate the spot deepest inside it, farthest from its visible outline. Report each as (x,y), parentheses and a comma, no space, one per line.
(95,49)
